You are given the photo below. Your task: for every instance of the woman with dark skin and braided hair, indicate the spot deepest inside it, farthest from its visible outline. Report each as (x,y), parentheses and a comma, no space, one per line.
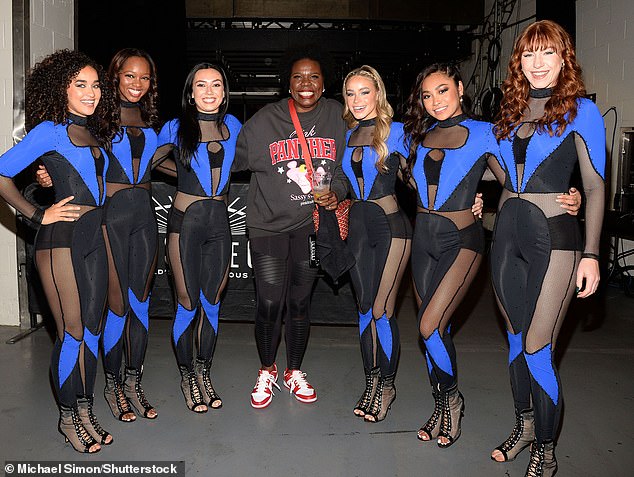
(72,116)
(538,257)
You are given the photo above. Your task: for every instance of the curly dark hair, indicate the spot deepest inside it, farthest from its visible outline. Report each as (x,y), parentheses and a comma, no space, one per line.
(416,120)
(561,108)
(188,127)
(311,52)
(47,100)
(148,104)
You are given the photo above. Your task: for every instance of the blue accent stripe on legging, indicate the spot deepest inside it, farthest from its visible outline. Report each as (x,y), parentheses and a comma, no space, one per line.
(364,320)
(211,311)
(515,345)
(140,308)
(438,352)
(540,365)
(384,332)
(67,357)
(112,331)
(181,321)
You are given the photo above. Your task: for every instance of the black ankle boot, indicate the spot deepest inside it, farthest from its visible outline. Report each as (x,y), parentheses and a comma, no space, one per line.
(363,404)
(384,396)
(522,436)
(135,394)
(452,412)
(542,462)
(210,396)
(90,422)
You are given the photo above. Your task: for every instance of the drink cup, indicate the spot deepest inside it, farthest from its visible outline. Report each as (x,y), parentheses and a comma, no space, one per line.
(321,183)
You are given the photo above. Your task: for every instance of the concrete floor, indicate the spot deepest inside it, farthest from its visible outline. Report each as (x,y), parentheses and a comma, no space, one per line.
(596,352)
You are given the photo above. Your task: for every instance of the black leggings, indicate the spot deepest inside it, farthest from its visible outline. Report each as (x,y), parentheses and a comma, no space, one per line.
(533,264)
(132,243)
(199,248)
(381,245)
(445,260)
(283,282)
(71,260)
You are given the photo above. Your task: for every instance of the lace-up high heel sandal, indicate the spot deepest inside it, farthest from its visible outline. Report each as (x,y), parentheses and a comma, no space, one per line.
(522,436)
(191,391)
(90,422)
(431,429)
(452,413)
(116,399)
(542,462)
(135,394)
(363,404)
(73,430)
(210,396)
(384,396)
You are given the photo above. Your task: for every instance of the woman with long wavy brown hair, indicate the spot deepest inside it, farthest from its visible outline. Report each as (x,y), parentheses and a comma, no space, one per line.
(539,260)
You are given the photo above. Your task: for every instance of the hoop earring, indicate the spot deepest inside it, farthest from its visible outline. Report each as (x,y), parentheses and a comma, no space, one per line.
(191,101)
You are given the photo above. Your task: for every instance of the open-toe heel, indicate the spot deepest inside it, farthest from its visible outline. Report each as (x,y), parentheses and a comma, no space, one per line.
(431,429)
(521,437)
(363,404)
(452,413)
(90,422)
(542,462)
(191,391)
(210,396)
(135,394)
(384,396)
(116,399)
(73,430)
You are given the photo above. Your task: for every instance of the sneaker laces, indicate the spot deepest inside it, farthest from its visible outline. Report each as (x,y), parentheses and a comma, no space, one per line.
(298,379)
(265,381)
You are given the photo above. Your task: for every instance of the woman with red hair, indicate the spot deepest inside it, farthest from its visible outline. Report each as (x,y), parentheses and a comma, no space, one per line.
(539,259)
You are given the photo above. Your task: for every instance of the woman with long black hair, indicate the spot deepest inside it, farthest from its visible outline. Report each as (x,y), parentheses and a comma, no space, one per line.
(203,140)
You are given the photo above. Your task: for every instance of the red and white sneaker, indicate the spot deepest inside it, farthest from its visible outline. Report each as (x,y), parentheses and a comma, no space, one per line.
(296,382)
(262,393)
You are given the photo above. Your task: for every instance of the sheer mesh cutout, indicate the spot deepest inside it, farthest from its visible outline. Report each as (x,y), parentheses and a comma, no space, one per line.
(546,202)
(557,290)
(453,137)
(393,270)
(450,292)
(361,136)
(57,274)
(131,117)
(357,158)
(183,200)
(594,190)
(13,196)
(209,131)
(388,203)
(174,258)
(116,300)
(460,218)
(81,137)
(496,169)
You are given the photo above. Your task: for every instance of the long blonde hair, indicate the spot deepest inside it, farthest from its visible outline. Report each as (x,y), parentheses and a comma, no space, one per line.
(384,113)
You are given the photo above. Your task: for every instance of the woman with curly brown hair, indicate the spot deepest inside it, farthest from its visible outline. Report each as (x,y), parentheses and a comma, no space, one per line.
(72,117)
(539,259)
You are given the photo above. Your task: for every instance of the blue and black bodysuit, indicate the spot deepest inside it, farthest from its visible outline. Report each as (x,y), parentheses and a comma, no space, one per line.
(70,256)
(199,237)
(448,242)
(537,246)
(131,240)
(380,239)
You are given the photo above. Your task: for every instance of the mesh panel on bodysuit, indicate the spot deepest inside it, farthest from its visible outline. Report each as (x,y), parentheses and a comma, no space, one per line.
(557,290)
(437,139)
(212,135)
(81,137)
(400,248)
(594,190)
